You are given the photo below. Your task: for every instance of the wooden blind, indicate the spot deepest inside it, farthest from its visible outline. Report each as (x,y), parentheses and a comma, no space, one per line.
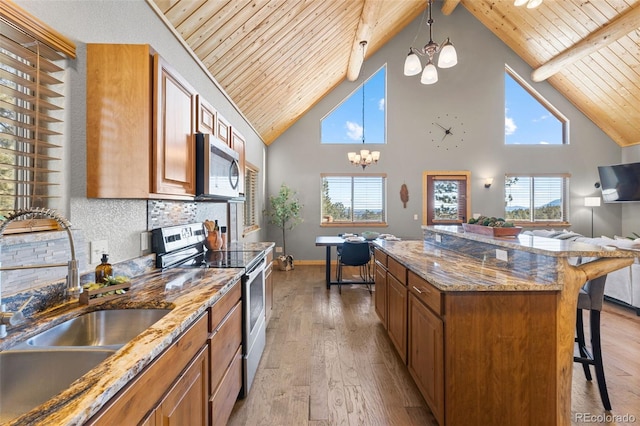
(31,108)
(250,189)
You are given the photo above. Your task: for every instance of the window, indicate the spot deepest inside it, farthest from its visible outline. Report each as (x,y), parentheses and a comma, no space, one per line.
(536,198)
(31,103)
(446,199)
(529,118)
(251,195)
(353,199)
(344,125)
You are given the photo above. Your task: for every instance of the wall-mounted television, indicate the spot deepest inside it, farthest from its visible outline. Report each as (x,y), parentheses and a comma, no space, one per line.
(620,183)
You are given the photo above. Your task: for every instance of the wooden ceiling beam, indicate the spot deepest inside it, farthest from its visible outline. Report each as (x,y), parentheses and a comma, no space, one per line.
(618,28)
(448,6)
(366,23)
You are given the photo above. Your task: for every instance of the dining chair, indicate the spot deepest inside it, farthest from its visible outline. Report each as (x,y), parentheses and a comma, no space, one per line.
(590,298)
(355,253)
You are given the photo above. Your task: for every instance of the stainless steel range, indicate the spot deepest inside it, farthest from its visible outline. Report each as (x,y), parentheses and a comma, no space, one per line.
(182,247)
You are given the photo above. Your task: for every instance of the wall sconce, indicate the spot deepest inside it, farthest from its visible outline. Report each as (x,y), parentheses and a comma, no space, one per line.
(488,182)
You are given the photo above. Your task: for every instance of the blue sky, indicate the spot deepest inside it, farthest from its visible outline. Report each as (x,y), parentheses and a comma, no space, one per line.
(526,120)
(343,125)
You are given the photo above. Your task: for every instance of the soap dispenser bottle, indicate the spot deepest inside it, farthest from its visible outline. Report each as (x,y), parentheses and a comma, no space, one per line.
(104,269)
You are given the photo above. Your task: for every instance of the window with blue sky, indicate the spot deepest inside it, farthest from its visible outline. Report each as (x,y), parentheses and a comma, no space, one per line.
(345,124)
(529,118)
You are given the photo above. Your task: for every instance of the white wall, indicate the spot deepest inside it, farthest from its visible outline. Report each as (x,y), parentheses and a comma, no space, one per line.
(132,21)
(474,91)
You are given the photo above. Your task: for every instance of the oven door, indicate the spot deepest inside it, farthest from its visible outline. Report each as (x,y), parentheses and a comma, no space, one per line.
(254,322)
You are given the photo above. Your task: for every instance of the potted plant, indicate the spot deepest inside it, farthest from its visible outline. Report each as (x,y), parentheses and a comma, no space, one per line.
(284,212)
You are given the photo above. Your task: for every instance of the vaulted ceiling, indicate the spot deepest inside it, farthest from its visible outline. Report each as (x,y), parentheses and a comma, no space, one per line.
(277,58)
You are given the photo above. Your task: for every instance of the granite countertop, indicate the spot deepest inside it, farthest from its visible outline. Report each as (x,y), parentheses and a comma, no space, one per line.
(450,271)
(187,292)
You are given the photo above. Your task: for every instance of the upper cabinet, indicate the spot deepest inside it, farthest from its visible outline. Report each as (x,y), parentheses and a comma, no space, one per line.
(207,117)
(119,120)
(141,119)
(224,130)
(175,119)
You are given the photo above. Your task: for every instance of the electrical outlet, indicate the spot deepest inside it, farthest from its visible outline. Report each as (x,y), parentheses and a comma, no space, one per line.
(98,247)
(438,238)
(278,249)
(502,255)
(144,241)
(415,217)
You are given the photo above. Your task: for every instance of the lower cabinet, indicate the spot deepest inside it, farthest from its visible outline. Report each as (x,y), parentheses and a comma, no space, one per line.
(381,293)
(397,328)
(195,382)
(426,352)
(183,404)
(167,389)
(225,343)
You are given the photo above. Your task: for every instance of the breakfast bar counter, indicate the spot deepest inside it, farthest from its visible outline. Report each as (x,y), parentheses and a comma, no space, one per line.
(488,322)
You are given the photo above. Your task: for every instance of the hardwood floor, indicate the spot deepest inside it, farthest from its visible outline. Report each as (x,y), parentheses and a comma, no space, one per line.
(328,361)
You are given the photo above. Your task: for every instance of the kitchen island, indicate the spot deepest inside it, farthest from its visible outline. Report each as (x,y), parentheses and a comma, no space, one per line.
(201,304)
(486,325)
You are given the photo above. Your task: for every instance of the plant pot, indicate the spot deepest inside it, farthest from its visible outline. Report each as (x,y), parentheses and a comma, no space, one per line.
(285,263)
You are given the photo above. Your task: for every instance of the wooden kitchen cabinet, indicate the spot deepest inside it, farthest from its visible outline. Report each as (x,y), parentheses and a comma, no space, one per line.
(177,379)
(174,144)
(426,354)
(206,121)
(238,145)
(183,404)
(225,360)
(224,130)
(397,299)
(135,117)
(381,292)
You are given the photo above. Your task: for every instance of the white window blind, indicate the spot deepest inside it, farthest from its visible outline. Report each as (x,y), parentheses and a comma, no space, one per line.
(353,199)
(31,106)
(536,198)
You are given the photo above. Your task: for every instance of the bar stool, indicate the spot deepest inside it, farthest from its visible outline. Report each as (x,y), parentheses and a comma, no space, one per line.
(590,298)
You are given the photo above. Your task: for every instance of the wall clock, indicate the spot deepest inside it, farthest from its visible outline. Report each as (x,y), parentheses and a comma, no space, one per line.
(447,131)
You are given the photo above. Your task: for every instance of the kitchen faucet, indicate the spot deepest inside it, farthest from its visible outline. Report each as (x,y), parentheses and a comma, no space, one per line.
(73,288)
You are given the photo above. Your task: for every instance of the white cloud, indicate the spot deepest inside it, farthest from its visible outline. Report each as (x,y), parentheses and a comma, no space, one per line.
(354,131)
(509,126)
(381,104)
(541,118)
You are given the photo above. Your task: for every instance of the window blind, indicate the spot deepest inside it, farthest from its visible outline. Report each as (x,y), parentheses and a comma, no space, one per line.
(536,198)
(353,198)
(31,108)
(250,188)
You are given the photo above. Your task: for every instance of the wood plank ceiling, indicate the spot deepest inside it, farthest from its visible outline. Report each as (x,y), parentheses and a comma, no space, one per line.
(278,58)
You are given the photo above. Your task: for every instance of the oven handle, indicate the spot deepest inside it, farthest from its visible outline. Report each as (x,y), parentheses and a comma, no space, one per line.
(257,270)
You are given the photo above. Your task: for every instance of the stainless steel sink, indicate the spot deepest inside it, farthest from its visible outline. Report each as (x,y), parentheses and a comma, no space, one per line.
(113,327)
(31,377)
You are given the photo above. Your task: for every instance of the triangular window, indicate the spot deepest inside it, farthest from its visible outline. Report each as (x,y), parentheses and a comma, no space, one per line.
(529,118)
(344,124)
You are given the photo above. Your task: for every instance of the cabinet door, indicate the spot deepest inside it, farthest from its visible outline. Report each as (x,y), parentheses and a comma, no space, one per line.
(381,294)
(174,151)
(224,130)
(397,328)
(186,402)
(119,105)
(238,143)
(268,284)
(426,354)
(207,116)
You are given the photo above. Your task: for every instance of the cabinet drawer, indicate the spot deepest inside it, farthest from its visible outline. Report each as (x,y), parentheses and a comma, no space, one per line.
(221,308)
(380,257)
(397,270)
(426,292)
(222,402)
(223,344)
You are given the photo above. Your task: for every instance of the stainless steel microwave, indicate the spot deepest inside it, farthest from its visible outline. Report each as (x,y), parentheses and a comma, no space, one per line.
(217,170)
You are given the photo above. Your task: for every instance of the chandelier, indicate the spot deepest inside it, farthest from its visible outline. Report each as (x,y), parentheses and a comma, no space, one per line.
(531,4)
(447,56)
(365,157)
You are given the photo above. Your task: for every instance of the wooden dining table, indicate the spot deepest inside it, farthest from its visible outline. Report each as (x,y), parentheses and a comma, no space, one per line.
(330,241)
